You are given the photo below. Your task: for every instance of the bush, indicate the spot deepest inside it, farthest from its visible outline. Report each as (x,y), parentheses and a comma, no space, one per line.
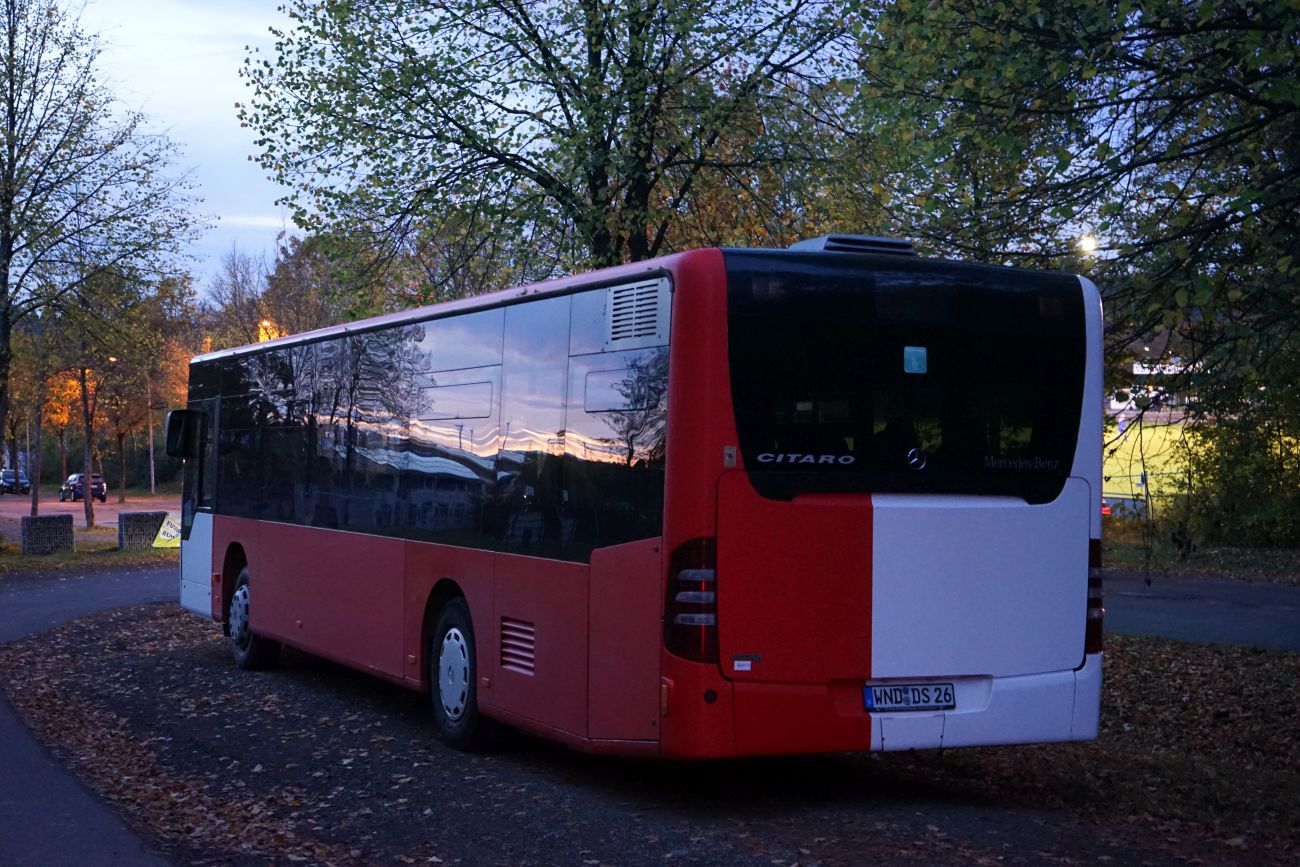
(1244,483)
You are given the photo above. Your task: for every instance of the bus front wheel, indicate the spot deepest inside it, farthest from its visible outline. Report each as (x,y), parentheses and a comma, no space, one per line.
(252,652)
(453,677)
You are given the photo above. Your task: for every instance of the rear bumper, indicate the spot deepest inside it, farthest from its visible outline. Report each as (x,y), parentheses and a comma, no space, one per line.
(1038,708)
(1031,709)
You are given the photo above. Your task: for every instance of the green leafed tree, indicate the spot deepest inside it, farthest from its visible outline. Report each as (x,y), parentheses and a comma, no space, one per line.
(1168,129)
(84,189)
(108,339)
(581,128)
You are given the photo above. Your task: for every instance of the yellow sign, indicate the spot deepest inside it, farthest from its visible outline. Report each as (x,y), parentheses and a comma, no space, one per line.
(169,534)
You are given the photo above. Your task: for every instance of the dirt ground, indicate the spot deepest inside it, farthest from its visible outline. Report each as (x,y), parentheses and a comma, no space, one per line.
(317,764)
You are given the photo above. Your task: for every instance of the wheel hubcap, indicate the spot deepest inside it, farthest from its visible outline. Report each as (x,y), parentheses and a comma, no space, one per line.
(239,616)
(453,674)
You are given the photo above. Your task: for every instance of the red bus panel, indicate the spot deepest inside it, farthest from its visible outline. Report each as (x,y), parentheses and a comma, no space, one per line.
(539,640)
(794,585)
(339,595)
(623,652)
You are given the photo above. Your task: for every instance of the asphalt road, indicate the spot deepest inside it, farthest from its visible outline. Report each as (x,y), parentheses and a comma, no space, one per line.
(47,817)
(1199,609)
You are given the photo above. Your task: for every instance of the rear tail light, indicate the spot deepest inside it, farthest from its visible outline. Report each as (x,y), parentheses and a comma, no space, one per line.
(691,609)
(1092,636)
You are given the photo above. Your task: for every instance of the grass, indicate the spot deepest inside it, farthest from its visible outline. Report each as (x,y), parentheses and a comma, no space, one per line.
(95,548)
(162,489)
(1133,544)
(1156,450)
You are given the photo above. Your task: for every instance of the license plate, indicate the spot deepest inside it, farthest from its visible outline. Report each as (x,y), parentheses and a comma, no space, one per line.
(909,696)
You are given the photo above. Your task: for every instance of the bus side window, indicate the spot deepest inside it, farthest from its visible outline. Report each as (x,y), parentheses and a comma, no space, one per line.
(526,514)
(199,470)
(615,432)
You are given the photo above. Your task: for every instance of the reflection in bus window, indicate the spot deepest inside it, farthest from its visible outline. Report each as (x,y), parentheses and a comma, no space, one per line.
(614,465)
(526,515)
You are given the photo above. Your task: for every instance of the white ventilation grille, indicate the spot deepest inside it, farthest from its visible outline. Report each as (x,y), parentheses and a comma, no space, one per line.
(637,315)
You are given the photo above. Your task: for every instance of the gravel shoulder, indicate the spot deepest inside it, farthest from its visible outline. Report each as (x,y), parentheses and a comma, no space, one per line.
(317,764)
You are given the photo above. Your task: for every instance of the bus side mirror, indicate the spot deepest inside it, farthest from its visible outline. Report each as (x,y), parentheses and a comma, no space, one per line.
(183,427)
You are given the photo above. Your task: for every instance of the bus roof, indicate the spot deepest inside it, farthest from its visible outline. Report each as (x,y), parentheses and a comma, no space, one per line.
(564,285)
(558,286)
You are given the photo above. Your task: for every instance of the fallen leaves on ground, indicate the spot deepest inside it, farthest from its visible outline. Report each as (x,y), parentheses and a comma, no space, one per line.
(317,764)
(1199,745)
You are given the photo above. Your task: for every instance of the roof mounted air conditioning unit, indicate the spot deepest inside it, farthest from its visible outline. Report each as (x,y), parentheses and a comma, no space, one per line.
(856,244)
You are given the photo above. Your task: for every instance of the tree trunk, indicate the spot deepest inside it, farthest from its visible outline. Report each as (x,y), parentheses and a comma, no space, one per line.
(6,331)
(121,466)
(148,402)
(63,453)
(34,454)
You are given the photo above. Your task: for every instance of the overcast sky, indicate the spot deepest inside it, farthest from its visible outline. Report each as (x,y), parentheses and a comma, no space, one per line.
(178,61)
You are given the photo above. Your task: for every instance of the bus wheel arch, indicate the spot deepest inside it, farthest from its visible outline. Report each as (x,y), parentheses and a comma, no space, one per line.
(452,668)
(252,652)
(443,592)
(235,562)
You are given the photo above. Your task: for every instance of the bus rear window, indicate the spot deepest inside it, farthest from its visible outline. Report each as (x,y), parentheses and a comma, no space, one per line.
(885,374)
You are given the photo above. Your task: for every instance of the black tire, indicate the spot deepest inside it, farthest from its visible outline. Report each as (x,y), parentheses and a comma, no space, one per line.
(62,497)
(252,652)
(453,678)
(103,499)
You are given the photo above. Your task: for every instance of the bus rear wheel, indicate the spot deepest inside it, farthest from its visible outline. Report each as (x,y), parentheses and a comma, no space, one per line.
(453,677)
(252,652)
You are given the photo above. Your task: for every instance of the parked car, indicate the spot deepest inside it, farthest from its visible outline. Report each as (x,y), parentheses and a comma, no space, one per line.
(74,488)
(14,482)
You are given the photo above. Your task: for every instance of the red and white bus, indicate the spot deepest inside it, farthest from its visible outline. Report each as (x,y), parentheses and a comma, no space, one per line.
(726,502)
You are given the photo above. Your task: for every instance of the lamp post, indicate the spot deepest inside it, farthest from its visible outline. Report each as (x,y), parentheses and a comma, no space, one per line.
(118,401)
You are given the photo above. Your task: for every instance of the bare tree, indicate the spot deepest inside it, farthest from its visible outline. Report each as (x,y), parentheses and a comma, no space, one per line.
(83,188)
(236,298)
